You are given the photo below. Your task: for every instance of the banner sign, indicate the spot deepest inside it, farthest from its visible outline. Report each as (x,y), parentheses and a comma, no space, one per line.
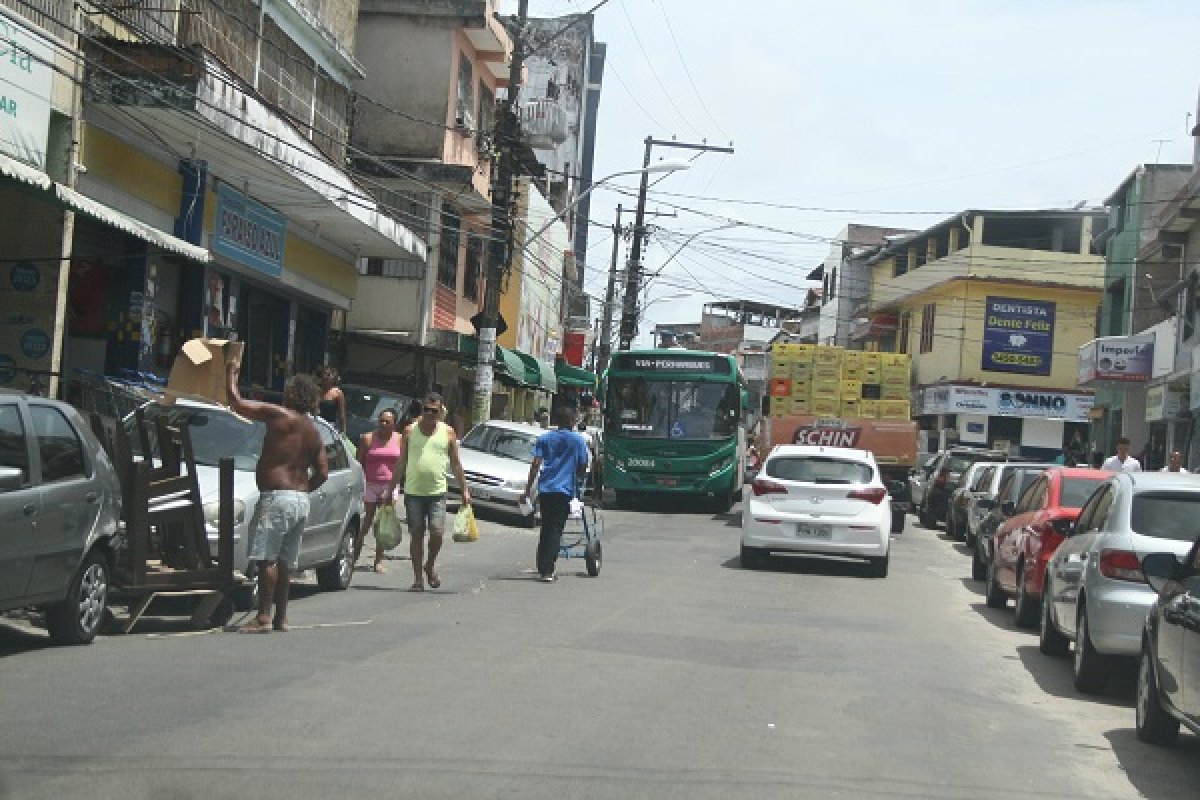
(1018,336)
(1124,359)
(249,232)
(26,83)
(1007,402)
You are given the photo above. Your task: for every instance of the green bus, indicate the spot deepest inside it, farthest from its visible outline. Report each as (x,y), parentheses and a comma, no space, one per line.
(674,423)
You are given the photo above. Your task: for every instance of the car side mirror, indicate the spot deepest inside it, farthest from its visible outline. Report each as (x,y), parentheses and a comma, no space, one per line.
(10,479)
(1160,569)
(1007,508)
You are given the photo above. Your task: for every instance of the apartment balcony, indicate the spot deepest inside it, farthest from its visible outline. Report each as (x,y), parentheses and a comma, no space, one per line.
(545,123)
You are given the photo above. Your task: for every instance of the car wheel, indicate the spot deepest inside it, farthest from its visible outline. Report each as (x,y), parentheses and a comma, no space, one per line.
(877,566)
(1089,668)
(593,557)
(1050,640)
(337,574)
(924,517)
(978,568)
(753,557)
(995,596)
(77,619)
(1154,724)
(1025,612)
(951,525)
(898,518)
(969,538)
(722,502)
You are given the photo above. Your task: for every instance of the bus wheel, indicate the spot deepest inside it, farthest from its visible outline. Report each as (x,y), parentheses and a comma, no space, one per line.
(722,502)
(624,499)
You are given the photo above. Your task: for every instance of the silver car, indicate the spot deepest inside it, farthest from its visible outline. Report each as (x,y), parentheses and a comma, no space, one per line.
(1095,591)
(918,479)
(495,458)
(335,509)
(60,505)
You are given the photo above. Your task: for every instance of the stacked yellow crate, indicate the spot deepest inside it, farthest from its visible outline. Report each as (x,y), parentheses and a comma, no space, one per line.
(894,371)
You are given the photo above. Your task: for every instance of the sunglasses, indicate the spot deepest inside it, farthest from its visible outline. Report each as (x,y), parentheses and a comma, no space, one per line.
(431,409)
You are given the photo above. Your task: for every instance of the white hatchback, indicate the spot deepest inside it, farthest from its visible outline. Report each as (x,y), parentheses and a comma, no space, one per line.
(821,501)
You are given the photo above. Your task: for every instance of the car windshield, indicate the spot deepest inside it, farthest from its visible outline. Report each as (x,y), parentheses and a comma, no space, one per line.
(1019,483)
(672,409)
(215,434)
(368,403)
(1166,515)
(819,469)
(958,463)
(1075,491)
(501,442)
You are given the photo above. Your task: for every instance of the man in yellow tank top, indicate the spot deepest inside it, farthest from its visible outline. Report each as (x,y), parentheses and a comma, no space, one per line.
(426,449)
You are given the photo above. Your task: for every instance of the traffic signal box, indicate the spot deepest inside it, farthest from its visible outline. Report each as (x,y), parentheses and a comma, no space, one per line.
(829,381)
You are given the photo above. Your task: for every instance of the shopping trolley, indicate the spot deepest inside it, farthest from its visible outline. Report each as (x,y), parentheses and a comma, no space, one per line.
(581,534)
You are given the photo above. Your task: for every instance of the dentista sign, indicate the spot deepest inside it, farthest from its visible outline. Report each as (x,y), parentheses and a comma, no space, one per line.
(1070,406)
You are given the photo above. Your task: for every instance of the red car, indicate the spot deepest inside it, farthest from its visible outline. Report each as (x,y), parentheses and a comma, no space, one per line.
(1042,518)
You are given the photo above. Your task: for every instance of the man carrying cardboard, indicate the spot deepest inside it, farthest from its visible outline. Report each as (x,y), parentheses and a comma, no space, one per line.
(292,464)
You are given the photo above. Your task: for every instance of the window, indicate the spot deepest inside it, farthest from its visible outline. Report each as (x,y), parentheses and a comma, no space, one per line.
(1034,496)
(487,109)
(502,442)
(58,444)
(13,450)
(902,333)
(982,479)
(464,104)
(393,268)
(675,409)
(927,314)
(1091,518)
(474,268)
(335,454)
(820,470)
(900,264)
(1075,492)
(448,251)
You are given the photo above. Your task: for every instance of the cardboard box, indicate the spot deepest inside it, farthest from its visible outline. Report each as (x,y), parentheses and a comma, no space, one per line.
(852,389)
(891,392)
(826,373)
(823,407)
(199,370)
(780,387)
(894,409)
(868,409)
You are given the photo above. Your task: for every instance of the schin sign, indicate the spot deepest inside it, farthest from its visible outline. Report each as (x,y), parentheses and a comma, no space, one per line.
(827,437)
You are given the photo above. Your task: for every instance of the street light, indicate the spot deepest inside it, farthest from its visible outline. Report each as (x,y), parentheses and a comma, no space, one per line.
(686,242)
(667,165)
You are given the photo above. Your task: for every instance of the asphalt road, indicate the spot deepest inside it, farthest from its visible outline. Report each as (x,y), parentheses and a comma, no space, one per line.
(675,674)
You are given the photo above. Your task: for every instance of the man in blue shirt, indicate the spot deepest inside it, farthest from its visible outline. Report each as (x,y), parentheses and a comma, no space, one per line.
(560,461)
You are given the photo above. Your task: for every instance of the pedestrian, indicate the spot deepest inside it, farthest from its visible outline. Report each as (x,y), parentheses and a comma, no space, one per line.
(542,417)
(560,461)
(333,400)
(1122,461)
(292,465)
(377,452)
(1174,463)
(411,415)
(427,447)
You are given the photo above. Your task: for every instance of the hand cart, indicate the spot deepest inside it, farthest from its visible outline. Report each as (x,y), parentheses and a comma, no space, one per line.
(581,534)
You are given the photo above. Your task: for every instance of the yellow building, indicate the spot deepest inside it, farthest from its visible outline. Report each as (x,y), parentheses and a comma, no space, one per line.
(993,306)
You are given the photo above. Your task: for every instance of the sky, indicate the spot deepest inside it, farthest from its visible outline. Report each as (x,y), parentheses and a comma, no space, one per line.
(885,112)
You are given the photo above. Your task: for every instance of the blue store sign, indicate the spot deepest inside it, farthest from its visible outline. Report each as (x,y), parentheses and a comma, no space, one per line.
(35,344)
(1018,336)
(24,276)
(248,232)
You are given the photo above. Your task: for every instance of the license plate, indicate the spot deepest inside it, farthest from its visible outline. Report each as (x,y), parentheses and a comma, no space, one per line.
(668,482)
(815,531)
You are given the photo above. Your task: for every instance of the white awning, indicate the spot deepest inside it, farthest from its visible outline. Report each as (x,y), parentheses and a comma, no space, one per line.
(18,171)
(134,227)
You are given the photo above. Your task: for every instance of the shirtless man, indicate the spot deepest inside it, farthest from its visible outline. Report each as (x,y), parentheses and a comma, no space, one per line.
(292,464)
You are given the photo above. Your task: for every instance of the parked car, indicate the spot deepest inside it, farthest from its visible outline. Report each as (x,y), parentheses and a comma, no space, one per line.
(1168,687)
(918,478)
(495,458)
(944,475)
(970,484)
(1095,591)
(60,506)
(1025,542)
(364,405)
(335,509)
(819,500)
(997,504)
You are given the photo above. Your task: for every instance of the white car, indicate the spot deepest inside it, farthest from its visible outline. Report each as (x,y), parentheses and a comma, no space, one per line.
(335,509)
(821,501)
(495,458)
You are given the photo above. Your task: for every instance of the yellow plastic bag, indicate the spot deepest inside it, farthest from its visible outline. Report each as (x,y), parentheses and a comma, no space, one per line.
(465,527)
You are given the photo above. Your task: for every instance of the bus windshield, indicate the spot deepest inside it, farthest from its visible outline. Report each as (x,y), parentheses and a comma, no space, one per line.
(648,409)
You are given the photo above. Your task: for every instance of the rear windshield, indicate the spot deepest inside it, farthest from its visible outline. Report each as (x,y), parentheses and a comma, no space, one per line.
(1076,491)
(1167,516)
(819,469)
(958,463)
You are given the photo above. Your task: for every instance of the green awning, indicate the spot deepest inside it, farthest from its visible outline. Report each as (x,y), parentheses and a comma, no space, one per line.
(509,367)
(538,374)
(574,377)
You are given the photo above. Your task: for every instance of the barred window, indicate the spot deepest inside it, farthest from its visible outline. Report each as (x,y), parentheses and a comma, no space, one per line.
(927,314)
(474,268)
(448,255)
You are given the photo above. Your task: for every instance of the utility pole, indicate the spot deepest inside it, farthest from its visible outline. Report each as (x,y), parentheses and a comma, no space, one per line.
(604,346)
(633,271)
(500,249)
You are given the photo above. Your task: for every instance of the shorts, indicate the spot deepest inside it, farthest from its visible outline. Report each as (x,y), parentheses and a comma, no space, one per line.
(425,512)
(277,526)
(375,492)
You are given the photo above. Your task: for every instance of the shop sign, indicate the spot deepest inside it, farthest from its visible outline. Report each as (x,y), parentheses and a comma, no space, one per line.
(1123,359)
(27,314)
(1069,406)
(1162,402)
(248,232)
(1018,336)
(26,83)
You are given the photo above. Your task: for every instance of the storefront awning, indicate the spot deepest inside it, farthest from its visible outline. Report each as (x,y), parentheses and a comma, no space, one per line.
(574,377)
(14,170)
(538,374)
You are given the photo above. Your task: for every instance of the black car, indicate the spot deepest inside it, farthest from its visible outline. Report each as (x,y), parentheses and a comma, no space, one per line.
(1014,480)
(1168,686)
(364,404)
(943,478)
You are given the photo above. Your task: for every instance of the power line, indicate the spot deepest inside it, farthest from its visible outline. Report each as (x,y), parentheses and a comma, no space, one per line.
(683,62)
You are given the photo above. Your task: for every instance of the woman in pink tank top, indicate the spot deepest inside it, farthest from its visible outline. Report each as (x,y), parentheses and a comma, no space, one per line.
(377,452)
